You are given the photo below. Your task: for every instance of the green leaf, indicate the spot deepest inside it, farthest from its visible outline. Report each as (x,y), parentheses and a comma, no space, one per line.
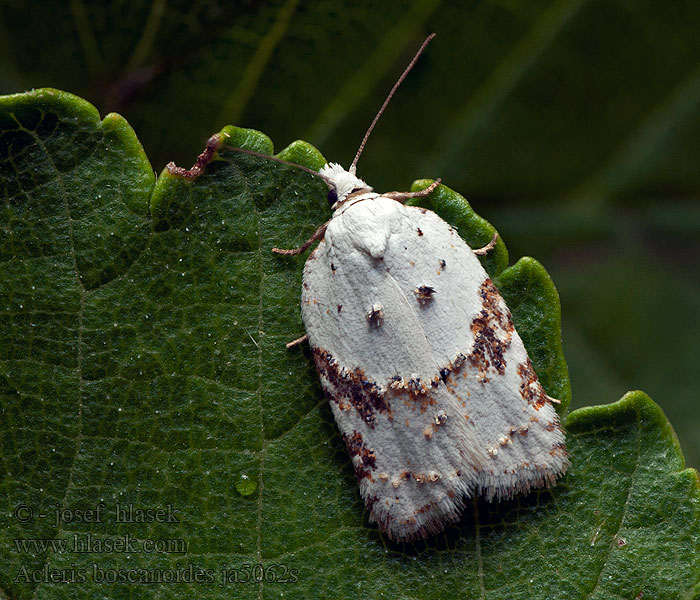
(143,364)
(646,502)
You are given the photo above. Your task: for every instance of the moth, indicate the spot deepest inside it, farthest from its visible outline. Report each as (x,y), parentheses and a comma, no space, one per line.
(429,382)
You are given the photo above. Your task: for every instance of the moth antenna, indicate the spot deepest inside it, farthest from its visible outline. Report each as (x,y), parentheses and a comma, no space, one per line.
(279,160)
(427,40)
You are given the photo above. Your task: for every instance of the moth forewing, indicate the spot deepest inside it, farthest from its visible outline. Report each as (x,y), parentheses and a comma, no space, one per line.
(437,401)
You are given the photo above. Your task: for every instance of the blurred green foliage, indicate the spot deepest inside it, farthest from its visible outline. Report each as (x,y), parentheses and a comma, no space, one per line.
(571,125)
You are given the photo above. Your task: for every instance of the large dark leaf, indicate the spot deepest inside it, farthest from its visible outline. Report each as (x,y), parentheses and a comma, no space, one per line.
(143,365)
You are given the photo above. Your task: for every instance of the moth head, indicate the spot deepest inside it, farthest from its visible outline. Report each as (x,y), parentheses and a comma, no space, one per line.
(341,183)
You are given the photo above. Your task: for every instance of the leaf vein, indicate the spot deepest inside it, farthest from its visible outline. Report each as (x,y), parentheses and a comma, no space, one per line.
(623,512)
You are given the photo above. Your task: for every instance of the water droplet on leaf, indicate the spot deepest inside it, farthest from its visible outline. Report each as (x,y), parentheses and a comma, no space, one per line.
(245,485)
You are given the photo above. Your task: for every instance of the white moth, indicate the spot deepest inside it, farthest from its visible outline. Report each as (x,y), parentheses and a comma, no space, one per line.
(429,382)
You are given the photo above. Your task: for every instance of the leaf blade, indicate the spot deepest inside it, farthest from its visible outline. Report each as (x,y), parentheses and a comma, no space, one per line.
(184,386)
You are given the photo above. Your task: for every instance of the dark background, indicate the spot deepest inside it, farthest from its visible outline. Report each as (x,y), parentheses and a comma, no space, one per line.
(571,125)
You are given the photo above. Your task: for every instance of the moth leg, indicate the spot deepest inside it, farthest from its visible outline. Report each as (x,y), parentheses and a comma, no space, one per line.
(403,196)
(213,144)
(553,400)
(320,232)
(297,341)
(488,247)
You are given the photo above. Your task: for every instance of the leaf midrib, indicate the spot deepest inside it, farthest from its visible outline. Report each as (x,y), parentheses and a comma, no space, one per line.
(79,345)
(258,393)
(623,512)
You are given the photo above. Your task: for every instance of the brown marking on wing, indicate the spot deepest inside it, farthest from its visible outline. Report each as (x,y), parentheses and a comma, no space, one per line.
(363,458)
(530,388)
(343,386)
(418,402)
(414,392)
(559,449)
(446,373)
(424,293)
(371,501)
(492,330)
(375,315)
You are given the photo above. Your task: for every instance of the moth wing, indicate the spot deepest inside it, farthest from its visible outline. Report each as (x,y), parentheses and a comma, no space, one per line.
(428,380)
(415,459)
(481,356)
